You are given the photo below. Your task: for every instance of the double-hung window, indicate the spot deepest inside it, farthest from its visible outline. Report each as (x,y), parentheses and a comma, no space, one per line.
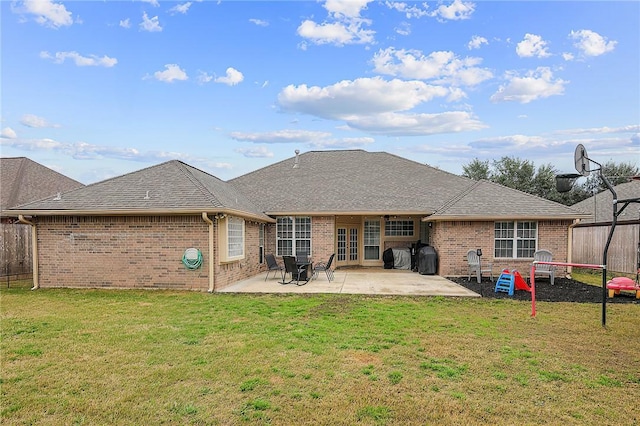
(516,240)
(293,235)
(371,239)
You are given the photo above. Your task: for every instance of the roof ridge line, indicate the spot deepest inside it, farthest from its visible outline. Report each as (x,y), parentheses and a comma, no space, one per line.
(453,200)
(184,169)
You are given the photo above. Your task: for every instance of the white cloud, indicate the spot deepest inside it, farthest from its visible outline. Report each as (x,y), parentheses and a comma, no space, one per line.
(394,124)
(344,25)
(259,22)
(34,121)
(567,56)
(532,45)
(337,33)
(232,77)
(409,11)
(255,152)
(171,73)
(79,60)
(536,84)
(153,3)
(378,106)
(203,77)
(346,8)
(591,43)
(87,151)
(439,66)
(363,96)
(150,24)
(125,23)
(634,128)
(8,133)
(458,10)
(476,42)
(404,28)
(181,8)
(47,12)
(280,136)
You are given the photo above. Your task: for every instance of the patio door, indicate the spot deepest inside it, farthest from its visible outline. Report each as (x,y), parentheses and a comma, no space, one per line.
(347,245)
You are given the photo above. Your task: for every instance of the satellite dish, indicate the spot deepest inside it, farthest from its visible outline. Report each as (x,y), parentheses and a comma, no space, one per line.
(581,160)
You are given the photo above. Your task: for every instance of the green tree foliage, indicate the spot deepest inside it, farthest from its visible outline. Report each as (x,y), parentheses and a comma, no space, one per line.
(615,174)
(522,175)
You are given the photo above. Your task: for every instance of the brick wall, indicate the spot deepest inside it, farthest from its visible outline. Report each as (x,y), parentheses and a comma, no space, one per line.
(452,240)
(134,252)
(323,237)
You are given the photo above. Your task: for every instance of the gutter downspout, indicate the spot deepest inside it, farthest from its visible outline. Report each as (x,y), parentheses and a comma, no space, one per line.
(34,250)
(212,284)
(570,246)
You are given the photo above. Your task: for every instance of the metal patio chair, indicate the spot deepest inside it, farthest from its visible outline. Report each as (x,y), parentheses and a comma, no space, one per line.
(272,265)
(326,267)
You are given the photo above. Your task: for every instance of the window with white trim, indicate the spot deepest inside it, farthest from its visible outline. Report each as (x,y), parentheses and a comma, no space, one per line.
(293,235)
(517,240)
(398,228)
(371,240)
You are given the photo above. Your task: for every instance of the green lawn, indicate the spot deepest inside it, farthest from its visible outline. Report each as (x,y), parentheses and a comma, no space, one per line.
(97,357)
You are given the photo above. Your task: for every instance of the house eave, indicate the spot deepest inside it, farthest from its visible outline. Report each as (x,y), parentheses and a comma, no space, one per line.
(348,213)
(141,212)
(478,218)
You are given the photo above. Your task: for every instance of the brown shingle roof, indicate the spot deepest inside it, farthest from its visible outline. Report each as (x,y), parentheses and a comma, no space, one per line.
(600,206)
(168,188)
(488,200)
(23,180)
(348,182)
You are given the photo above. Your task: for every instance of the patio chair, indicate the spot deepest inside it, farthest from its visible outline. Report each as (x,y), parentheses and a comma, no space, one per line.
(475,265)
(299,273)
(302,256)
(272,265)
(544,256)
(324,266)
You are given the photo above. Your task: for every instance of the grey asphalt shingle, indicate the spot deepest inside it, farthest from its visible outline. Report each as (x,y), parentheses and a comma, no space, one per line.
(486,199)
(349,181)
(23,180)
(600,206)
(168,187)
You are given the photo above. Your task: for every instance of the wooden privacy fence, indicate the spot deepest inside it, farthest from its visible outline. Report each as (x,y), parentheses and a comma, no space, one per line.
(589,241)
(15,245)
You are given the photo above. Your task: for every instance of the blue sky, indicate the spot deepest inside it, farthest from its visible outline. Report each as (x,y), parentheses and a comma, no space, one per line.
(96,89)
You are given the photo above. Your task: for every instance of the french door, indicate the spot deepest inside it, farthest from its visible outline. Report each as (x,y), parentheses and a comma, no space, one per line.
(347,245)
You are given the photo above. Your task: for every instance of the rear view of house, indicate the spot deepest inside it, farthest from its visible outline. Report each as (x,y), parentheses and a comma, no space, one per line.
(133,230)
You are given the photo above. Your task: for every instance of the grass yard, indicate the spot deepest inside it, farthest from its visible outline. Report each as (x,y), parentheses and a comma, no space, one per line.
(97,357)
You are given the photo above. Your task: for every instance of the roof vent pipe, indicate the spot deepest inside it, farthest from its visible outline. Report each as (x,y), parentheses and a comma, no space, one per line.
(296,162)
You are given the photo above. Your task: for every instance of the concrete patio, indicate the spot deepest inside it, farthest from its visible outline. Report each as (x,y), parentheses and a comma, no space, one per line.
(357,281)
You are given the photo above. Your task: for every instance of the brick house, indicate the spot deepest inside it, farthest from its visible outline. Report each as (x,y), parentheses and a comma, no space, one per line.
(23,180)
(131,231)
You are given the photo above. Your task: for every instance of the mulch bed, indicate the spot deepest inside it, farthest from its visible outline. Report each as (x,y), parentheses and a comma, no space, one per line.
(563,290)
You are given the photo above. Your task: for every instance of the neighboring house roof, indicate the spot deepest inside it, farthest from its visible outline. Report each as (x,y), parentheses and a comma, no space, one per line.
(168,188)
(351,181)
(23,180)
(600,206)
(488,200)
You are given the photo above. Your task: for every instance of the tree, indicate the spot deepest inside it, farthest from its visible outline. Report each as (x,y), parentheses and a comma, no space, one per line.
(522,175)
(476,170)
(514,173)
(615,174)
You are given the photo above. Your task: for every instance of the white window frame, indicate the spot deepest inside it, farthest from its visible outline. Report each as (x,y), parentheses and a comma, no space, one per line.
(399,228)
(519,235)
(371,238)
(298,229)
(232,239)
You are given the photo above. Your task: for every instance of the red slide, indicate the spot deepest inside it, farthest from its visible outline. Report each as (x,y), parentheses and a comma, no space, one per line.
(519,282)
